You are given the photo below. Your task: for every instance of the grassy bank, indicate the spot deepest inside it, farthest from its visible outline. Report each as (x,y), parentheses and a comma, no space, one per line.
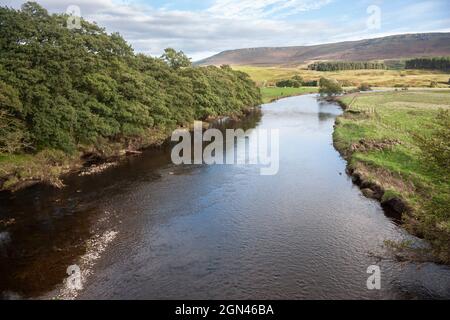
(18,171)
(378,134)
(266,76)
(273,93)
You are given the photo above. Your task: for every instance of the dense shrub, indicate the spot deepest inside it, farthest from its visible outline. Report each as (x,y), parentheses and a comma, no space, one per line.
(61,88)
(295,82)
(329,87)
(364,87)
(435,147)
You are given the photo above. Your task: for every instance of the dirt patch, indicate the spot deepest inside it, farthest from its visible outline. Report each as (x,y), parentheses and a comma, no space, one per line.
(365,145)
(374,182)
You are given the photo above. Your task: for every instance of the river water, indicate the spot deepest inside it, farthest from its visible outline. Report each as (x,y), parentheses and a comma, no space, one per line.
(215,232)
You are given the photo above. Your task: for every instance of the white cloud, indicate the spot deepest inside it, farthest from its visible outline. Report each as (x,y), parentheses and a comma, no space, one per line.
(257,9)
(226,24)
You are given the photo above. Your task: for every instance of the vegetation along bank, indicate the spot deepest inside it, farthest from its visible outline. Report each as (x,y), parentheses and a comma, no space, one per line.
(70,95)
(398,150)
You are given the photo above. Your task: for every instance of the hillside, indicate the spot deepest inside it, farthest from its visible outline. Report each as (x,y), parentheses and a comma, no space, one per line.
(392,47)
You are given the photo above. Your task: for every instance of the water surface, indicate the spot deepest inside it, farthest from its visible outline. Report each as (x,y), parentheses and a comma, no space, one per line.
(218,232)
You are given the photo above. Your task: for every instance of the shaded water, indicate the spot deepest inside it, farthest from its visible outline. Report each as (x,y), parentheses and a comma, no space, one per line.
(217,232)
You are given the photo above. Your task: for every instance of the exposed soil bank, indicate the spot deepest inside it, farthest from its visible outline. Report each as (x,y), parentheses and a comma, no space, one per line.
(394,206)
(377,181)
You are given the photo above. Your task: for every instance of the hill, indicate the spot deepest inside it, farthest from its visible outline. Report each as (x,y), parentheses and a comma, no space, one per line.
(392,47)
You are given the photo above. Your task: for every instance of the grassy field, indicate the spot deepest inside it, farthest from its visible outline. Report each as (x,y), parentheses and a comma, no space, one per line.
(268,76)
(273,93)
(378,136)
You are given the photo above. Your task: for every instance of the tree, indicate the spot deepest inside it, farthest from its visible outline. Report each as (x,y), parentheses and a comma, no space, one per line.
(364,87)
(75,89)
(34,9)
(345,65)
(436,63)
(329,87)
(295,82)
(176,60)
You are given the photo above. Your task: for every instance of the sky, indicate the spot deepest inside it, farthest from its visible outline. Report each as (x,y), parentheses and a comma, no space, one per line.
(203,28)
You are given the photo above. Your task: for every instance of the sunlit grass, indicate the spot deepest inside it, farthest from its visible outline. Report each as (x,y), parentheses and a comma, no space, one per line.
(268,76)
(399,117)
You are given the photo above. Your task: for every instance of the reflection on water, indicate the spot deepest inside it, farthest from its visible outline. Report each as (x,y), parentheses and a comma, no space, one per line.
(225,232)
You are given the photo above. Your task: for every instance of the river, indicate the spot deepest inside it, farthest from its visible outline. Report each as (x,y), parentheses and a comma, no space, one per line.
(148,229)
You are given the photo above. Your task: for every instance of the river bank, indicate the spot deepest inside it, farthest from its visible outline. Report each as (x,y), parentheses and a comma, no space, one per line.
(49,167)
(153,230)
(378,136)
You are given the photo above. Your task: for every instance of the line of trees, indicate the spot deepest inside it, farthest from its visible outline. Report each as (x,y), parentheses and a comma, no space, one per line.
(436,63)
(296,82)
(63,88)
(345,65)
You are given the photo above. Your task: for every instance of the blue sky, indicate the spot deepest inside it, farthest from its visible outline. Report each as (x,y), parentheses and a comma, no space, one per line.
(202,28)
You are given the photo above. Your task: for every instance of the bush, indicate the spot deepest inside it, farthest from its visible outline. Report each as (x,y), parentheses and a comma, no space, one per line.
(435,148)
(66,88)
(364,87)
(295,82)
(329,87)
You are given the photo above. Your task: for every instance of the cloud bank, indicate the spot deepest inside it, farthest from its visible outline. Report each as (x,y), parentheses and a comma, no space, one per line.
(225,24)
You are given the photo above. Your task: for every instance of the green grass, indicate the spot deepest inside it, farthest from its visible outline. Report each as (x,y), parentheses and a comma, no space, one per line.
(268,76)
(46,166)
(272,93)
(399,168)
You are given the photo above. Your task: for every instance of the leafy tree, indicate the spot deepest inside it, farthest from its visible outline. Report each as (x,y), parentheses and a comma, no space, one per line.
(295,82)
(67,89)
(34,9)
(329,87)
(176,60)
